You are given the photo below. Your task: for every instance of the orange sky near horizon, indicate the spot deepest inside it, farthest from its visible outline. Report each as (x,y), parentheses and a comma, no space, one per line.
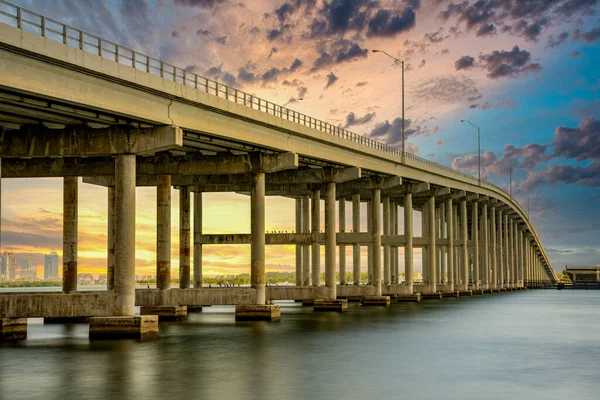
(33,225)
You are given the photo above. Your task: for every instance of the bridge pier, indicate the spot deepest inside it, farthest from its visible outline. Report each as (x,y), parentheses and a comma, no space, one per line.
(356,247)
(298,248)
(163,232)
(315,229)
(261,310)
(408,247)
(184,237)
(342,247)
(197,239)
(124,323)
(305,248)
(70,210)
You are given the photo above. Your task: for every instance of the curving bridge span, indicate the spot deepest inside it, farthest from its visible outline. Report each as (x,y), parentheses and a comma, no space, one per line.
(74,105)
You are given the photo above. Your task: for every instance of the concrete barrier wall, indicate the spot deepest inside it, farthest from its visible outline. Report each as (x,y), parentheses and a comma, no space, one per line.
(37,305)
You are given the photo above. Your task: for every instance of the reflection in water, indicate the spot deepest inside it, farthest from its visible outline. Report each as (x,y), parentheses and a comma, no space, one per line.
(526,345)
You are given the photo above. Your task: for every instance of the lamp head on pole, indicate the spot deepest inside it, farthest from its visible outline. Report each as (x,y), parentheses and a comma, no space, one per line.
(375,51)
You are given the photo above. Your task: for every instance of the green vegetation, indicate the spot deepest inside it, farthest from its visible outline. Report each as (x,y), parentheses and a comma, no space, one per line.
(20,284)
(564,277)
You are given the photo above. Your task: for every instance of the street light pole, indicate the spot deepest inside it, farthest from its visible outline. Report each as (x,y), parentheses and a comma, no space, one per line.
(401,63)
(478,148)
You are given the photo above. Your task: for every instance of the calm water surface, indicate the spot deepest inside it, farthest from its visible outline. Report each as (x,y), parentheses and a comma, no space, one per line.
(523,345)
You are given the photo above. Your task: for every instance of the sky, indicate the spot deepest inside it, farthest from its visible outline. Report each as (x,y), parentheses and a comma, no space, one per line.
(526,72)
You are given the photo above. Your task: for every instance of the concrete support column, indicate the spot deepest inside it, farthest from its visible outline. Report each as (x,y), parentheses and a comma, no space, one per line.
(330,242)
(342,251)
(443,235)
(306,248)
(494,258)
(298,247)
(184,237)
(370,246)
(110,259)
(465,236)
(408,247)
(425,249)
(475,238)
(125,234)
(394,249)
(197,240)
(513,255)
(485,238)
(257,232)
(506,254)
(386,247)
(315,228)
(450,236)
(70,206)
(376,235)
(356,247)
(501,265)
(456,233)
(432,247)
(163,232)
(520,255)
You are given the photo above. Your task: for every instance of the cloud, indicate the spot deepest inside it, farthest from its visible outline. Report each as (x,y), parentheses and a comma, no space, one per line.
(587,175)
(331,79)
(581,143)
(465,62)
(199,3)
(501,63)
(486,30)
(587,37)
(446,89)
(352,120)
(385,24)
(391,132)
(339,17)
(558,41)
(338,52)
(522,18)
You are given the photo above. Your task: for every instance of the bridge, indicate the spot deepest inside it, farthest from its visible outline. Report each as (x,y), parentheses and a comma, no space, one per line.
(75,105)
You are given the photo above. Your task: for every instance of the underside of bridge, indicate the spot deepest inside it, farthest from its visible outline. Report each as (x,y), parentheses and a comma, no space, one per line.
(65,112)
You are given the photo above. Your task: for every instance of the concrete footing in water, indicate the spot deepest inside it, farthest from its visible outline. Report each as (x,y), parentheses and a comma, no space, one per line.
(463,293)
(308,303)
(194,309)
(477,291)
(13,328)
(401,298)
(383,301)
(454,293)
(166,313)
(256,312)
(339,305)
(486,291)
(432,295)
(135,327)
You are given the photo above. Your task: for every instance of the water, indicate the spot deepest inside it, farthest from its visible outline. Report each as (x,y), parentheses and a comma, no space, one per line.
(521,345)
